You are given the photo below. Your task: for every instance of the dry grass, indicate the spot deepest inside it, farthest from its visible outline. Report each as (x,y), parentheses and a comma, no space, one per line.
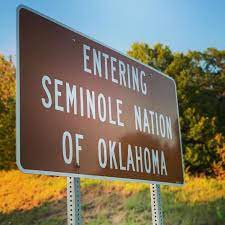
(27,198)
(198,190)
(22,192)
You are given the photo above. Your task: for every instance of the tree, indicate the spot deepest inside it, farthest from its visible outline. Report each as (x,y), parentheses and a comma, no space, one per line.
(200,78)
(7,114)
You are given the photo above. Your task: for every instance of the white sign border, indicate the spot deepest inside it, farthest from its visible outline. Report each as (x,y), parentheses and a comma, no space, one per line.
(52,173)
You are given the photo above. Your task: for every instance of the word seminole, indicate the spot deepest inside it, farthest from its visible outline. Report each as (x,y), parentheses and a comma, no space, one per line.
(81,101)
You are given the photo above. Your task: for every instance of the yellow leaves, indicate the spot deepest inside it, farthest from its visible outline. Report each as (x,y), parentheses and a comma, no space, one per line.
(219,138)
(7,80)
(140,51)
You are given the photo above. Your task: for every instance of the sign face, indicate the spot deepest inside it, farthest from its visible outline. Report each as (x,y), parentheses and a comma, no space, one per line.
(86,110)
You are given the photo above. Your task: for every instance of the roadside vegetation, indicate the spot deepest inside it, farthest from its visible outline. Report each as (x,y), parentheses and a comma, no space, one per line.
(41,200)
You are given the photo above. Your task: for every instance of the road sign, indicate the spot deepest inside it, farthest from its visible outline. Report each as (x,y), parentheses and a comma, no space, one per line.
(87,110)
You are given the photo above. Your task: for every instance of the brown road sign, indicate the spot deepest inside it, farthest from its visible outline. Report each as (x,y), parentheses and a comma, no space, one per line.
(86,110)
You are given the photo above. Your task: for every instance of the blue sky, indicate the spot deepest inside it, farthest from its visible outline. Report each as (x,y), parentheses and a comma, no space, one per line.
(181,24)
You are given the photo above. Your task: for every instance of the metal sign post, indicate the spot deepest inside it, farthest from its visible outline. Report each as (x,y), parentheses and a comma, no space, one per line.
(73,201)
(156,205)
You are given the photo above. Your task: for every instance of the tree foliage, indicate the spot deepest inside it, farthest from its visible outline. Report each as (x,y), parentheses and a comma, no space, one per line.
(7,114)
(200,78)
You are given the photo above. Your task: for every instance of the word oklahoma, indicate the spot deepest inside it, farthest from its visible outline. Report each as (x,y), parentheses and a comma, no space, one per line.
(111,155)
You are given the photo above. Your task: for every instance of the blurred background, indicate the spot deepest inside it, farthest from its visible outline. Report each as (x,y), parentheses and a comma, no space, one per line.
(184,39)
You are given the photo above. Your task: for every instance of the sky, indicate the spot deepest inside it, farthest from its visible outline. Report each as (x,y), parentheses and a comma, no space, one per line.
(181,24)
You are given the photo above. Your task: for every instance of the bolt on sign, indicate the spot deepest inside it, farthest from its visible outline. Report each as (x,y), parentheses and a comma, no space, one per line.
(86,110)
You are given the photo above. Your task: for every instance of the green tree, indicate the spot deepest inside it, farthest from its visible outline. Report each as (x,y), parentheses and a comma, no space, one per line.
(200,78)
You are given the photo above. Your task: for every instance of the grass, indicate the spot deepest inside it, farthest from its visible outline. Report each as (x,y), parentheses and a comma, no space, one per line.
(23,192)
(41,200)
